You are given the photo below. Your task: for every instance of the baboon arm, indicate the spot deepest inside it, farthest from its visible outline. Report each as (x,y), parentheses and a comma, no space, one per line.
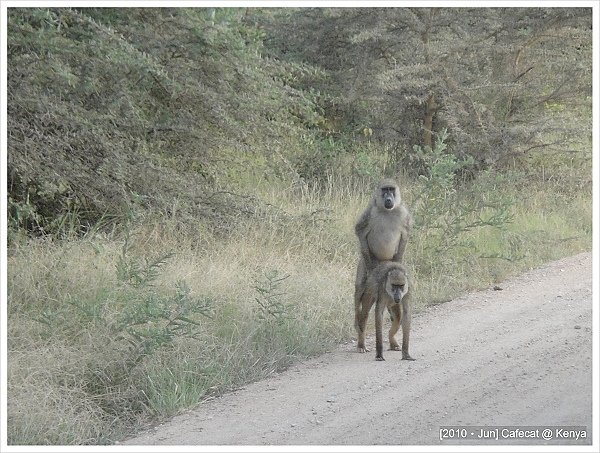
(361,230)
(406,312)
(362,222)
(408,222)
(406,319)
(401,248)
(379,306)
(368,299)
(366,253)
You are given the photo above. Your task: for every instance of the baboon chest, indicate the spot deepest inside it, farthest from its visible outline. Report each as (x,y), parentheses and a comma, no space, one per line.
(384,236)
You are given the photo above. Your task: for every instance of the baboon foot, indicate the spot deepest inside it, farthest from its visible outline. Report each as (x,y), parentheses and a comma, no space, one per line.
(406,356)
(394,347)
(379,358)
(362,349)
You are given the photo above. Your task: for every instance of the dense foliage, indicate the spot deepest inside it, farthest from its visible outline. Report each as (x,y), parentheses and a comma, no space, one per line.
(114,108)
(491,76)
(111,110)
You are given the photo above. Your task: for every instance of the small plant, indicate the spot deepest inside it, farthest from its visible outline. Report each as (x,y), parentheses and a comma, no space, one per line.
(270,306)
(134,271)
(22,215)
(153,321)
(441,166)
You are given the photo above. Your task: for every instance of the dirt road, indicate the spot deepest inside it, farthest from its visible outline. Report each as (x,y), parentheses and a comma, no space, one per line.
(520,356)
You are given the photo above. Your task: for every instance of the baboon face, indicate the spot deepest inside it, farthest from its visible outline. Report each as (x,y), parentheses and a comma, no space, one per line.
(396,285)
(388,195)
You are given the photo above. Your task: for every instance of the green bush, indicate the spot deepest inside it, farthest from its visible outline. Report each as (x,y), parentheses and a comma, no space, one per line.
(444,210)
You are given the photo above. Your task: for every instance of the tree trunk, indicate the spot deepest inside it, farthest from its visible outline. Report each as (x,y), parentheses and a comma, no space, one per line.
(430,106)
(430,109)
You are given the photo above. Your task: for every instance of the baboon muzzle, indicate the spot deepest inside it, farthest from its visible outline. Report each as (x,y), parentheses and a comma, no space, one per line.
(388,202)
(397,295)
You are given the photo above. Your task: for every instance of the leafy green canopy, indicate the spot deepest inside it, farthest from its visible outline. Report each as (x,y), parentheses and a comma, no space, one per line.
(166,109)
(496,78)
(110,109)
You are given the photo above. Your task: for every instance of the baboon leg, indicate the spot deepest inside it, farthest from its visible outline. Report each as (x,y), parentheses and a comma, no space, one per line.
(359,291)
(358,296)
(378,329)
(406,329)
(366,305)
(396,315)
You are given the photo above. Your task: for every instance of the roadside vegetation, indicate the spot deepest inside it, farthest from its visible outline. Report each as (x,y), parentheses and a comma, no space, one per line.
(183,186)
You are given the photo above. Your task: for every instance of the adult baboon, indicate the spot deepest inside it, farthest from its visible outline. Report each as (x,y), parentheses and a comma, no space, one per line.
(382,231)
(387,286)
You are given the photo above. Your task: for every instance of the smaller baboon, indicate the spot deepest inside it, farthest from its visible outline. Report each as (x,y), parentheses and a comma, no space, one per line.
(386,286)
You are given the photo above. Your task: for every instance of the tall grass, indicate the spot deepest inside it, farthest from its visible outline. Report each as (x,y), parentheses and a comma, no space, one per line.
(219,311)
